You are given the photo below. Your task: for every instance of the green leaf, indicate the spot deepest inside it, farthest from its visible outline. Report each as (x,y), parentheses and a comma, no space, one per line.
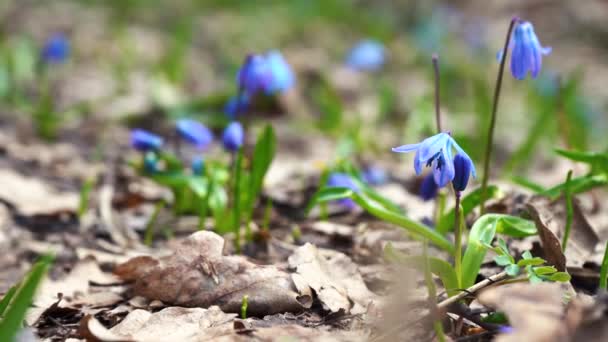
(560,276)
(528,184)
(527,255)
(327,195)
(578,185)
(198,185)
(20,303)
(595,159)
(440,268)
(531,262)
(482,233)
(414,227)
(503,260)
(512,270)
(263,154)
(7,299)
(468,203)
(545,270)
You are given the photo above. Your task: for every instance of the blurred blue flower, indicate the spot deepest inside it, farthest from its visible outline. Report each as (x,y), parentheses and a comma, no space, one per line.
(506,329)
(428,188)
(150,162)
(526,51)
(374,175)
(283,77)
(198,166)
(366,55)
(194,132)
(462,170)
(236,105)
(143,140)
(233,136)
(343,180)
(255,75)
(56,49)
(436,152)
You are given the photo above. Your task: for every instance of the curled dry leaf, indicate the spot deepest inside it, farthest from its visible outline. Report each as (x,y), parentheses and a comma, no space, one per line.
(198,275)
(535,311)
(550,218)
(333,276)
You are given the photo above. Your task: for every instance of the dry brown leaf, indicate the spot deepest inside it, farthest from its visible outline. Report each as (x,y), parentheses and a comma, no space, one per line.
(198,275)
(92,331)
(171,324)
(334,277)
(550,218)
(535,311)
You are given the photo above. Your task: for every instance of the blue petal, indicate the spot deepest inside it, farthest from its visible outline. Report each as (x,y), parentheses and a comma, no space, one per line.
(430,146)
(464,154)
(406,148)
(417,163)
(445,174)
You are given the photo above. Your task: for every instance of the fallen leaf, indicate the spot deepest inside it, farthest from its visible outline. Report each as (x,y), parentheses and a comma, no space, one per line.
(171,324)
(550,218)
(334,277)
(535,311)
(91,330)
(198,275)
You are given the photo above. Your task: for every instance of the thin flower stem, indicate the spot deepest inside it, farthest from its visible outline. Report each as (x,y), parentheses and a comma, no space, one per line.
(458,242)
(488,153)
(437,94)
(604,269)
(569,210)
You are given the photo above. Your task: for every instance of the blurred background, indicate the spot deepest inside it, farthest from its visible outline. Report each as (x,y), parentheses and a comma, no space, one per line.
(146,62)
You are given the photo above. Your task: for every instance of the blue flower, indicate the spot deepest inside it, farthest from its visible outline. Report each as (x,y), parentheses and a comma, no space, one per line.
(462,171)
(236,105)
(367,55)
(374,175)
(198,166)
(143,140)
(255,75)
(343,180)
(526,51)
(194,132)
(436,152)
(56,49)
(233,136)
(428,188)
(283,77)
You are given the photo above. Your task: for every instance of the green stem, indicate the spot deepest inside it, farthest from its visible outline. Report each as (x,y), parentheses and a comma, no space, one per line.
(202,216)
(437,106)
(488,153)
(402,221)
(604,269)
(569,210)
(458,243)
(237,201)
(149,233)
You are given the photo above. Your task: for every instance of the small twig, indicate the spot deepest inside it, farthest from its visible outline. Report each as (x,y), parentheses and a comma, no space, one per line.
(489,281)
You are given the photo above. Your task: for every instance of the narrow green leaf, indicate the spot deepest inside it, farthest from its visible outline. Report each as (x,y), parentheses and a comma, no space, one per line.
(263,154)
(528,184)
(578,185)
(595,159)
(560,276)
(531,262)
(544,270)
(503,260)
(8,296)
(13,319)
(328,194)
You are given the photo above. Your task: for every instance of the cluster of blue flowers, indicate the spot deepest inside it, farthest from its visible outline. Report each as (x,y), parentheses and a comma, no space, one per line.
(194,133)
(56,49)
(267,74)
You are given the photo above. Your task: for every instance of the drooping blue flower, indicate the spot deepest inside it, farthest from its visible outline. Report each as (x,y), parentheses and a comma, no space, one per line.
(374,175)
(428,188)
(462,171)
(283,77)
(526,51)
(198,166)
(194,132)
(143,140)
(436,152)
(233,136)
(255,75)
(367,55)
(343,180)
(56,49)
